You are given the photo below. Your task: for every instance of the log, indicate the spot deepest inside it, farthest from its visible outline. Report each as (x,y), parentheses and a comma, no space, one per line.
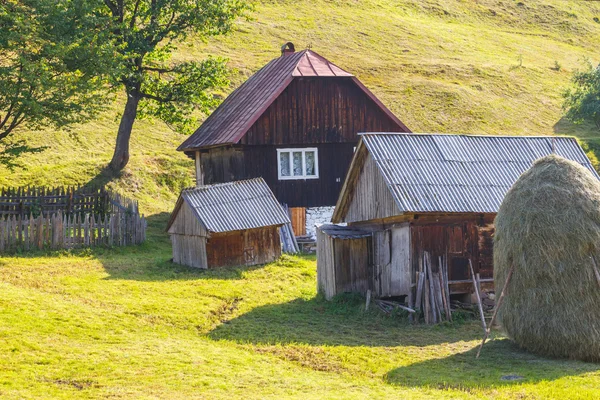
(478,297)
(368,300)
(498,304)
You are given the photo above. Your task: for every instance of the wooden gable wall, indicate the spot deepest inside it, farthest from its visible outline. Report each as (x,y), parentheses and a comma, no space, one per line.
(319,110)
(186,223)
(369,196)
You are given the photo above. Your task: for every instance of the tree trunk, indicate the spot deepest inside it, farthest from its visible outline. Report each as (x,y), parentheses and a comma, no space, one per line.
(121,155)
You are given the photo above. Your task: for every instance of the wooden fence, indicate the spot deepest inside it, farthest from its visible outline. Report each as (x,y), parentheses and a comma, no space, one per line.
(59,231)
(69,200)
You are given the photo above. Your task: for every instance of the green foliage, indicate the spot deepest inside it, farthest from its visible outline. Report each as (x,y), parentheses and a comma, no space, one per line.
(172,95)
(51,63)
(146,33)
(582,101)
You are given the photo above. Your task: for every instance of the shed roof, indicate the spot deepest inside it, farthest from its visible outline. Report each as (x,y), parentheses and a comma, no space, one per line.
(456,173)
(233,206)
(344,232)
(240,110)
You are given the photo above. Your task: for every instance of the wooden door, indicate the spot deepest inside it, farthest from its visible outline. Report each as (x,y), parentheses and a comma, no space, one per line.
(298,217)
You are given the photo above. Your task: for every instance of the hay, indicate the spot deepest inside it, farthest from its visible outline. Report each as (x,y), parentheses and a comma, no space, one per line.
(548,226)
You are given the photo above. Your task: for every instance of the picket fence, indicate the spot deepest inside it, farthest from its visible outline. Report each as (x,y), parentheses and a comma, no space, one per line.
(23,201)
(63,231)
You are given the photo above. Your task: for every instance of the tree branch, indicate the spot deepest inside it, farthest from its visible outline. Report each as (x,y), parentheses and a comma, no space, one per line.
(159,70)
(156,98)
(134,15)
(113,7)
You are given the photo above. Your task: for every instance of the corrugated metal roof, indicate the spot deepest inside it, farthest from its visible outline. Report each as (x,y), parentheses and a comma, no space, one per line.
(232,119)
(460,173)
(235,206)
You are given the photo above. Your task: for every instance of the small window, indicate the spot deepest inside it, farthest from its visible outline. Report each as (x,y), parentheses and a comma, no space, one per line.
(298,163)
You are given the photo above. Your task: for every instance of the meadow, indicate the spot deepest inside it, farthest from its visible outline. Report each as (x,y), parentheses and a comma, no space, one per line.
(128,323)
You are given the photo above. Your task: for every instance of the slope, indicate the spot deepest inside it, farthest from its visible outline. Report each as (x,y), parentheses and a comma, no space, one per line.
(493,67)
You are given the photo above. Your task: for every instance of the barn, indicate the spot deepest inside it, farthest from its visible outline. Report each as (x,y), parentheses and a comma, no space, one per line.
(410,199)
(294,123)
(235,223)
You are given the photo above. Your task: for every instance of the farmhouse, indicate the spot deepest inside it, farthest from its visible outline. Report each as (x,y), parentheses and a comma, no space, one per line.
(234,223)
(294,123)
(407,195)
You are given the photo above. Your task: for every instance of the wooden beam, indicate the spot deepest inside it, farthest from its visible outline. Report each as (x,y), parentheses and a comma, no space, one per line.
(199,171)
(489,329)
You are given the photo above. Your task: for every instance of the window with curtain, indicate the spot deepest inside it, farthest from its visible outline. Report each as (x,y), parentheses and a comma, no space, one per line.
(298,163)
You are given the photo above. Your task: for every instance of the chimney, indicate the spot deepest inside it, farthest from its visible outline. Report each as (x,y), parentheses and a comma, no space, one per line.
(287,48)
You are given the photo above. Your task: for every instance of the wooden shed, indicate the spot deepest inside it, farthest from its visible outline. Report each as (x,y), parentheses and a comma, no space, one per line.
(434,194)
(235,223)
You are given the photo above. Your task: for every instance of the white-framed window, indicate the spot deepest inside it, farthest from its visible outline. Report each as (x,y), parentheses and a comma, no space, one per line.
(298,163)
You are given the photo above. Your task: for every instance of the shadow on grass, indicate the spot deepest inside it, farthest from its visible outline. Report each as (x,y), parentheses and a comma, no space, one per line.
(341,321)
(501,363)
(12,152)
(152,261)
(149,261)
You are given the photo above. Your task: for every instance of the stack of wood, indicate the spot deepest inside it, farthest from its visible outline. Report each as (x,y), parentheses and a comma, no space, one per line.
(433,293)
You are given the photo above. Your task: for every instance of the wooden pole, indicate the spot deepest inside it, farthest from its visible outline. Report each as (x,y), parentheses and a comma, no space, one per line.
(478,297)
(498,304)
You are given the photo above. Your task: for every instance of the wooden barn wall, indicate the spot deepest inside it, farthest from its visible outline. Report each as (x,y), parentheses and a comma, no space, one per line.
(457,240)
(186,222)
(391,262)
(189,250)
(250,247)
(319,110)
(325,265)
(234,163)
(370,198)
(342,265)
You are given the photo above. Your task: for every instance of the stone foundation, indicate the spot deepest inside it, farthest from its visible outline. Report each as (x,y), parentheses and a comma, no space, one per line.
(317,216)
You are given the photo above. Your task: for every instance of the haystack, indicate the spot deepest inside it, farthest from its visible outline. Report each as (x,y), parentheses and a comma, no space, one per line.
(548,226)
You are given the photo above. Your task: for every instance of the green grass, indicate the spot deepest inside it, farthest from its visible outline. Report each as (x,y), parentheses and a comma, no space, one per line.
(128,323)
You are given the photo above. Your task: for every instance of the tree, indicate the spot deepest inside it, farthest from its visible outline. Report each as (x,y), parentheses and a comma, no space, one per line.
(50,63)
(582,101)
(146,32)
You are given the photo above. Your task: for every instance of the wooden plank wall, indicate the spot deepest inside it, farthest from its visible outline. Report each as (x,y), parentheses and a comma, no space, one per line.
(325,265)
(371,197)
(351,265)
(189,250)
(229,164)
(456,240)
(250,247)
(343,265)
(319,110)
(58,231)
(298,218)
(391,272)
(186,222)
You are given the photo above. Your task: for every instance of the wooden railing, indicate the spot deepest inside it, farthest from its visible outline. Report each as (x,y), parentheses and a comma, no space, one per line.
(59,231)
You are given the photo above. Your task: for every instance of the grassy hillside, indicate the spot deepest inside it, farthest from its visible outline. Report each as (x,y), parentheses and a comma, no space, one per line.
(127,323)
(459,66)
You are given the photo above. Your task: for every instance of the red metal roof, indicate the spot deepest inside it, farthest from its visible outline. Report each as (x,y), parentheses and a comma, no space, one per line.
(240,110)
